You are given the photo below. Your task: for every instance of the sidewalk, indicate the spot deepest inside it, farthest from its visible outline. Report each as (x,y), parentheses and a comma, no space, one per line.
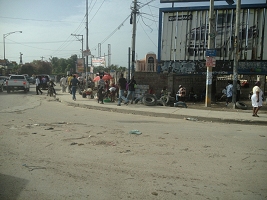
(194,112)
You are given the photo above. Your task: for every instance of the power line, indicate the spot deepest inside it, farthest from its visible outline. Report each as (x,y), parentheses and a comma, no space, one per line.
(113,32)
(42,20)
(97,11)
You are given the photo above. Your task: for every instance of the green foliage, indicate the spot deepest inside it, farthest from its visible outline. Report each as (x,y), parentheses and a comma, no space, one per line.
(62,65)
(110,68)
(27,68)
(57,65)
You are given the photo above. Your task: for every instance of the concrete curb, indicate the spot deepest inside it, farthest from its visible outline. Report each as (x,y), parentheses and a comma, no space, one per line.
(166,115)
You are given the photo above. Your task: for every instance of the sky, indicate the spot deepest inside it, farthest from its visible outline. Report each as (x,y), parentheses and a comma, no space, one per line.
(47,26)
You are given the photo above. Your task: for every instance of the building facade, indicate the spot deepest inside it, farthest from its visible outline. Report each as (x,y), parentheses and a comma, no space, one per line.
(148,64)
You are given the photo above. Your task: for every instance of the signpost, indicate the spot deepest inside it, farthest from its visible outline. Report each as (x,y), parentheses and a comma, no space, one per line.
(210,61)
(211,53)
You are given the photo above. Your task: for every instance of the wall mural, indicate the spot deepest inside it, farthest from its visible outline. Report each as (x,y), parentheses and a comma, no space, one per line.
(222,67)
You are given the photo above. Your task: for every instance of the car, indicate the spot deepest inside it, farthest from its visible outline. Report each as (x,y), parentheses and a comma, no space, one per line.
(3,83)
(17,82)
(31,80)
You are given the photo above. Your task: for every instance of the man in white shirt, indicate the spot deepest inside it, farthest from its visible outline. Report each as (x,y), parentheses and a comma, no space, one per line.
(63,84)
(38,83)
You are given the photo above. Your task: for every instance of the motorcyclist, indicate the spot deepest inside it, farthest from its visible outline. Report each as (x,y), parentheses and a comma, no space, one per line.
(51,84)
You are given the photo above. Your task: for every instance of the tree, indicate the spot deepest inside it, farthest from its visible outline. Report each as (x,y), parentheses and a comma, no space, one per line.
(42,67)
(27,68)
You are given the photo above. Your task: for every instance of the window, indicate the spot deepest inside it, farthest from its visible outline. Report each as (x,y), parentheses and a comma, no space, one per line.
(150,64)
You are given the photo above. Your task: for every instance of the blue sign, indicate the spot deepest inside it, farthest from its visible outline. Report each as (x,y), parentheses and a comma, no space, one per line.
(211,52)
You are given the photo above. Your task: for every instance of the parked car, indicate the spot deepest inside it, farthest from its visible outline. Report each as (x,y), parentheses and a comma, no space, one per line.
(17,82)
(31,80)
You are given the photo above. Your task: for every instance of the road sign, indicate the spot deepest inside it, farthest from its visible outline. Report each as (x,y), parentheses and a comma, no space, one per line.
(210,61)
(86,52)
(211,52)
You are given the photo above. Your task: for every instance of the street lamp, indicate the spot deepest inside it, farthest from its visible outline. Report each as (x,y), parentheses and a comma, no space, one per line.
(4,37)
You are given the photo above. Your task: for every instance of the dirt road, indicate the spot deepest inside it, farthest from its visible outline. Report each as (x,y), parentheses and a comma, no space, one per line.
(52,151)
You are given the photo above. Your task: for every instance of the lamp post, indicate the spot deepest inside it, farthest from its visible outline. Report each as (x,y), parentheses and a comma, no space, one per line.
(4,38)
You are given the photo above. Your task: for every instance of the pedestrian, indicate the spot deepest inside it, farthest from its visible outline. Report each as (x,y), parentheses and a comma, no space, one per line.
(223,95)
(100,90)
(238,90)
(177,93)
(181,93)
(107,88)
(256,99)
(38,84)
(131,89)
(44,81)
(122,87)
(229,92)
(70,77)
(112,91)
(100,95)
(74,83)
(63,83)
(164,91)
(101,82)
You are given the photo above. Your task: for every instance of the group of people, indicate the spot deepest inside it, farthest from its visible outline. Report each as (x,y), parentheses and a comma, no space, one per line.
(180,94)
(41,81)
(103,90)
(256,98)
(228,91)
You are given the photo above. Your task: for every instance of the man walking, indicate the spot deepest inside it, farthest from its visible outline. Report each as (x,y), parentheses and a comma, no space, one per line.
(131,89)
(38,83)
(122,87)
(63,82)
(74,83)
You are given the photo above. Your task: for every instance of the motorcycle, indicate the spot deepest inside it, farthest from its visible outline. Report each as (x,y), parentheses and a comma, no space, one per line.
(50,91)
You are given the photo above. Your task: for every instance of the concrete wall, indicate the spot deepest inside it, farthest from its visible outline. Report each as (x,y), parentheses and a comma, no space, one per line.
(198,82)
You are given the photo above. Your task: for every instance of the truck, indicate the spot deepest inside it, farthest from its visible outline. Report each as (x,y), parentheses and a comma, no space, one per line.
(17,82)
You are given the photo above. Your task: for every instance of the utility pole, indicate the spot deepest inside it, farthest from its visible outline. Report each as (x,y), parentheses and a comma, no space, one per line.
(42,58)
(236,52)
(99,50)
(20,58)
(133,17)
(87,46)
(211,45)
(81,40)
(109,55)
(129,63)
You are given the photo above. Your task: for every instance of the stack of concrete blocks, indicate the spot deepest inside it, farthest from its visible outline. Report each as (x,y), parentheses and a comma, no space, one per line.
(140,90)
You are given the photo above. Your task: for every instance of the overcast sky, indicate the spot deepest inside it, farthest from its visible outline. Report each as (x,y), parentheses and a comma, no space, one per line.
(47,26)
